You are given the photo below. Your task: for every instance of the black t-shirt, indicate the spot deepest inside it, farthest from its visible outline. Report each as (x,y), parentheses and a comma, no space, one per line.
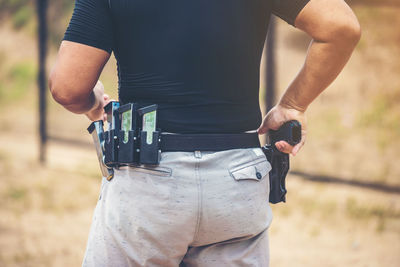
(198,60)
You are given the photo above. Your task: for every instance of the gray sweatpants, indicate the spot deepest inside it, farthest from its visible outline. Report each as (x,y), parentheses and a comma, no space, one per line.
(194,209)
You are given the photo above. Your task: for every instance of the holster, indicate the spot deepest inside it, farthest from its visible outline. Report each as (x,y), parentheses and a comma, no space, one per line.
(277,176)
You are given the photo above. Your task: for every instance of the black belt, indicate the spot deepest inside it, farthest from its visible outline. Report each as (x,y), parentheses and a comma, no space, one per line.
(207,142)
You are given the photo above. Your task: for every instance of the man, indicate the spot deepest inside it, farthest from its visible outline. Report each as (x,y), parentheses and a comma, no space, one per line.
(199,61)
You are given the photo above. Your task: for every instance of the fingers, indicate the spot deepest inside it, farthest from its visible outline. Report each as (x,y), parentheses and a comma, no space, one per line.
(272,121)
(262,130)
(297,147)
(267,123)
(263,127)
(302,142)
(106,101)
(275,118)
(284,147)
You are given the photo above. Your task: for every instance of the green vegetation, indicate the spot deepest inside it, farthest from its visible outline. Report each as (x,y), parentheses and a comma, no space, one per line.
(383,114)
(17,193)
(16,81)
(22,17)
(12,5)
(21,11)
(379,44)
(22,14)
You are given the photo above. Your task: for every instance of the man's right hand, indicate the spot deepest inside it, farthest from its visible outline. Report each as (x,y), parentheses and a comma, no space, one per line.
(276,117)
(101,100)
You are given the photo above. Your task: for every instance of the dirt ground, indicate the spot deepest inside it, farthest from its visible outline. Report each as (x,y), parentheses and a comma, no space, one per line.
(46,210)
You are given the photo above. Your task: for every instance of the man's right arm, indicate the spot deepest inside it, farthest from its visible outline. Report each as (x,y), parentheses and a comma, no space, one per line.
(87,45)
(335,32)
(74,82)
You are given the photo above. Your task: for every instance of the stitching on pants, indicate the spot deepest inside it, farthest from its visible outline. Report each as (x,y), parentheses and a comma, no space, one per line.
(199,199)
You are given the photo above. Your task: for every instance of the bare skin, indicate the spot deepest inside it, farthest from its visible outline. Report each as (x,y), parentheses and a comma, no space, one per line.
(74,78)
(331,24)
(335,32)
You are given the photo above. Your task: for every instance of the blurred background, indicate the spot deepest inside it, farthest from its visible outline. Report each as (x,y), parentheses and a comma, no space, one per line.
(343,205)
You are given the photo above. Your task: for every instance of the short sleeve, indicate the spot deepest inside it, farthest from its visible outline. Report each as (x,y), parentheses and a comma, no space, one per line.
(288,9)
(91,24)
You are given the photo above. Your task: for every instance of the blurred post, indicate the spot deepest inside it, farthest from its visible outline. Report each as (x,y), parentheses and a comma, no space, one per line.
(41,6)
(270,68)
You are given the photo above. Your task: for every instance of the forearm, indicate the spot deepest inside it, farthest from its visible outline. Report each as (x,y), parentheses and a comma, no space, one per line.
(82,105)
(335,32)
(324,62)
(73,81)
(91,104)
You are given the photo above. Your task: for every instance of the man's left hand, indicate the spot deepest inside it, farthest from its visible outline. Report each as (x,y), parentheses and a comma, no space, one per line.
(276,117)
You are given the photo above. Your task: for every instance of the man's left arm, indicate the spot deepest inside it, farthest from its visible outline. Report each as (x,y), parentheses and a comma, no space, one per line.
(335,32)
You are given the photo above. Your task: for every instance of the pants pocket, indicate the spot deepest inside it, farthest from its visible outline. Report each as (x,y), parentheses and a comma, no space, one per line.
(151,170)
(255,170)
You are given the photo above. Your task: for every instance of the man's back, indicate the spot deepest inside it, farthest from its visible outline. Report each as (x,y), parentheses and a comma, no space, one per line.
(195,59)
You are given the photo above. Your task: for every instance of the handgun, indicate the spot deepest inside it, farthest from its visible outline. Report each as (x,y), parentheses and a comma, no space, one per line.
(291,133)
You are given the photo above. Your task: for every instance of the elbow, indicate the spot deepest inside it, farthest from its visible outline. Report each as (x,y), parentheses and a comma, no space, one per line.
(346,34)
(61,91)
(57,91)
(351,33)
